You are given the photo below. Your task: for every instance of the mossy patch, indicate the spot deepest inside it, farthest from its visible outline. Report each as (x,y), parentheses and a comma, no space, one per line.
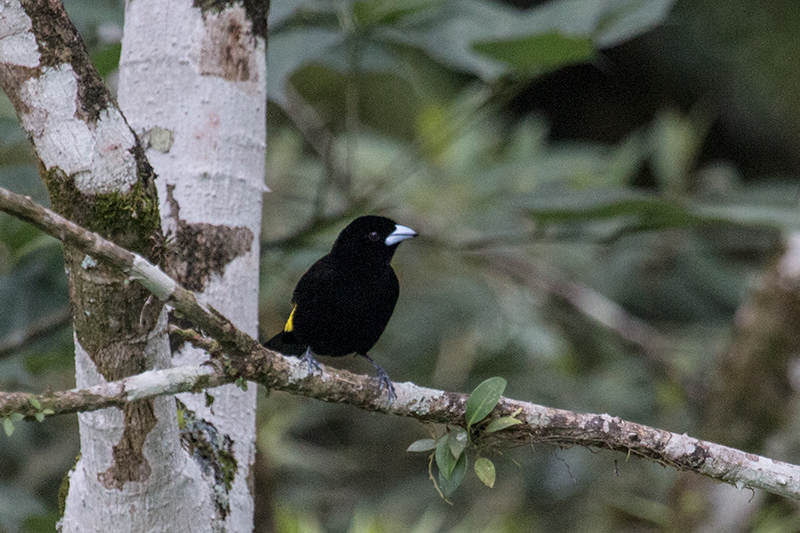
(213,453)
(129,219)
(63,489)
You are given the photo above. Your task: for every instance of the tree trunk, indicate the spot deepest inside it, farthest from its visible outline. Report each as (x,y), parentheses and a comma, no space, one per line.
(97,175)
(193,85)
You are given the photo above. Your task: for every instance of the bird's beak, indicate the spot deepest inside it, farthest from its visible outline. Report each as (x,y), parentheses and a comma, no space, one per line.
(400,233)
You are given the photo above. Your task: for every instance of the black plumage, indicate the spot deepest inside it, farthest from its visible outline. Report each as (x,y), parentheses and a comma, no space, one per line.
(342,304)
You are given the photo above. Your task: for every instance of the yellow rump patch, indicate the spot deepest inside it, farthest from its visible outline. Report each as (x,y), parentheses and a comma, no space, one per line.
(290,323)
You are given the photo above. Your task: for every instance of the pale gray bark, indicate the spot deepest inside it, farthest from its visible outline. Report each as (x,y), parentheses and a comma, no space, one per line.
(192,83)
(134,474)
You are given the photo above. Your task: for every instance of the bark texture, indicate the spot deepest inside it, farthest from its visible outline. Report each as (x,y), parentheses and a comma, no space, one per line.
(193,82)
(133,474)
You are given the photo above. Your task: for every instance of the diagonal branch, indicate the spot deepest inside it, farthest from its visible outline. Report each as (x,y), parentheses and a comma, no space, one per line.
(136,267)
(540,424)
(248,360)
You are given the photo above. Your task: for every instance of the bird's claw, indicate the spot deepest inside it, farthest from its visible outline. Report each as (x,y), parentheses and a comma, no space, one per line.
(383,379)
(386,384)
(313,365)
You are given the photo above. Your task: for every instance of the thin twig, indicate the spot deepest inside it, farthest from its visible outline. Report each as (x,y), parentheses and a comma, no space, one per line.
(592,304)
(39,328)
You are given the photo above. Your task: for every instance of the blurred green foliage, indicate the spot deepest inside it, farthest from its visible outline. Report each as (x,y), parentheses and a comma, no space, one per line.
(532,246)
(527,247)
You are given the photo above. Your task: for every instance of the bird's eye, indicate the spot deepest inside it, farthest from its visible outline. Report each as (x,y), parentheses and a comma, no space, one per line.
(373,236)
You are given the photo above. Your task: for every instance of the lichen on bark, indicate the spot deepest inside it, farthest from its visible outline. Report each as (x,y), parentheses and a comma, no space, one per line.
(59,43)
(257,11)
(212,450)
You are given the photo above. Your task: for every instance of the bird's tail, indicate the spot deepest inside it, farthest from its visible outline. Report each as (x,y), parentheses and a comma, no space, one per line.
(287,343)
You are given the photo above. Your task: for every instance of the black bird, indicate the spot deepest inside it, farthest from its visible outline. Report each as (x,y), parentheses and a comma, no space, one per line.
(344,301)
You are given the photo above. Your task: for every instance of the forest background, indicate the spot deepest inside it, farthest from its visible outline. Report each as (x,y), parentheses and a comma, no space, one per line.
(649,163)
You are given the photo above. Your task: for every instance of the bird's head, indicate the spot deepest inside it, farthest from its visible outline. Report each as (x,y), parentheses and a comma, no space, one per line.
(371,237)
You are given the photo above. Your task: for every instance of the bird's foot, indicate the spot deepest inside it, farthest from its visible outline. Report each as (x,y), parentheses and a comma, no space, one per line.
(313,366)
(386,383)
(383,380)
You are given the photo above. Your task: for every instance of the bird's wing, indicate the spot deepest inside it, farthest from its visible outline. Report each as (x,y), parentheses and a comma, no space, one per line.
(309,285)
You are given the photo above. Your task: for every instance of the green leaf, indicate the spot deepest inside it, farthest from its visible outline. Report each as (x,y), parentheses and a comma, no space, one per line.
(454,32)
(485,470)
(483,399)
(37,243)
(35,403)
(39,417)
(48,412)
(422,445)
(16,417)
(449,485)
(458,441)
(604,203)
(106,59)
(445,459)
(537,54)
(645,211)
(765,216)
(486,39)
(502,423)
(294,48)
(372,12)
(8,426)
